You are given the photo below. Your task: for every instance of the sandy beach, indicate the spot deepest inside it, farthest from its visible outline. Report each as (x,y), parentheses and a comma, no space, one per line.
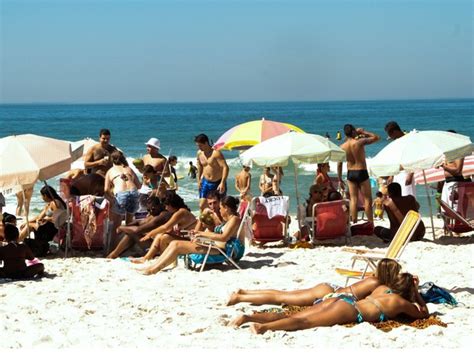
(93,302)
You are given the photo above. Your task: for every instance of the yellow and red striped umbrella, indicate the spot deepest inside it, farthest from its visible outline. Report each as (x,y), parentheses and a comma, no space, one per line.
(248,134)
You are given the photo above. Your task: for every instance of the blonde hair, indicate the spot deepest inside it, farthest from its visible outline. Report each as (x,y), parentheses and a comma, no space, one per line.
(388,271)
(404,286)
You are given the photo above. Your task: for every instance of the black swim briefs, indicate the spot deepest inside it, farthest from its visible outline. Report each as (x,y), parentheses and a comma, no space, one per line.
(357,176)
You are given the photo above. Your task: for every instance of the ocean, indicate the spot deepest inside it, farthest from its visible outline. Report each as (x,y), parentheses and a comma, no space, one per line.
(176,125)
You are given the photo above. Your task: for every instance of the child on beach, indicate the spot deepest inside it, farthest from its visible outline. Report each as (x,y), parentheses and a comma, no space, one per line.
(14,255)
(378,206)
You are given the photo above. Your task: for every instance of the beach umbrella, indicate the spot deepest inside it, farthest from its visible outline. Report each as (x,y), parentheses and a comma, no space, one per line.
(421,150)
(248,134)
(300,148)
(435,175)
(27,158)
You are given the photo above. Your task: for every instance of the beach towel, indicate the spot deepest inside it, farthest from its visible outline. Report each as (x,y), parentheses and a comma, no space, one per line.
(88,218)
(275,205)
(432,293)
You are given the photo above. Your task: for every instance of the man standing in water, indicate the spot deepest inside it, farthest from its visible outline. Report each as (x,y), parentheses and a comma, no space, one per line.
(97,159)
(357,175)
(212,170)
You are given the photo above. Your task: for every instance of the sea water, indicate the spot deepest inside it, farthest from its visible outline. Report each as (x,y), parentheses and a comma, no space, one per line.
(177,124)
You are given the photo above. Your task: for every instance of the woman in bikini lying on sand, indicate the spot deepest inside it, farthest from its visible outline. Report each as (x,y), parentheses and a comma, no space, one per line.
(182,219)
(339,308)
(223,234)
(386,274)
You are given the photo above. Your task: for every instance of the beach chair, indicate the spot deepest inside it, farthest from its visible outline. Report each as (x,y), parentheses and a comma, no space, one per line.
(267,226)
(330,220)
(89,224)
(370,258)
(459,216)
(229,252)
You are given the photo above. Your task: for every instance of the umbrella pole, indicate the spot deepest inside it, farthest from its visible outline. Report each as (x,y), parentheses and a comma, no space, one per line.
(297,195)
(26,212)
(429,204)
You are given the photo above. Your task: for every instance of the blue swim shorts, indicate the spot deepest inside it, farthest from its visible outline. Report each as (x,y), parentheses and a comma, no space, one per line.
(126,202)
(208,186)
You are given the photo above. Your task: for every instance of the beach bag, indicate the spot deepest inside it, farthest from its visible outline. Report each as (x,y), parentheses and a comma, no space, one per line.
(434,294)
(366,228)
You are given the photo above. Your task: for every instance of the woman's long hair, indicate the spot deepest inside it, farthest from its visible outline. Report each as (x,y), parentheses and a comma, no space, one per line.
(404,286)
(52,194)
(388,271)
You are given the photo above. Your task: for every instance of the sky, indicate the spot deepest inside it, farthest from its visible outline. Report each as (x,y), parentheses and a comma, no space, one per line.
(116,51)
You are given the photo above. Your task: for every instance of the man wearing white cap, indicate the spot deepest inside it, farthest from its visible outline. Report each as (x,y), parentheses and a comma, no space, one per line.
(154,157)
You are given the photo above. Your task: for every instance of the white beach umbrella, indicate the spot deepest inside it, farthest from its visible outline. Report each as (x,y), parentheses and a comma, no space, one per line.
(27,158)
(296,147)
(420,150)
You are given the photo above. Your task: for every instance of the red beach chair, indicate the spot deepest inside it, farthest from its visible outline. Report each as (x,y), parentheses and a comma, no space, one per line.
(459,219)
(267,229)
(330,220)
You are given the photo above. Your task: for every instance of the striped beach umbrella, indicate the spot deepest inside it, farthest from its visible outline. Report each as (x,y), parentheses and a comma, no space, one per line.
(434,175)
(248,134)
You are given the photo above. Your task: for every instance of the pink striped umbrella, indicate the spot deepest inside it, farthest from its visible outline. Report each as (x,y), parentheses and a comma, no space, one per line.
(434,175)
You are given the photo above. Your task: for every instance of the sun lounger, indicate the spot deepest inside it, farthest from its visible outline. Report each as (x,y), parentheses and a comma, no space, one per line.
(370,258)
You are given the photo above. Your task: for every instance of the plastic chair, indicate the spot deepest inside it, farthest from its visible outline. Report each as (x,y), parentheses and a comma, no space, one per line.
(370,258)
(266,229)
(330,220)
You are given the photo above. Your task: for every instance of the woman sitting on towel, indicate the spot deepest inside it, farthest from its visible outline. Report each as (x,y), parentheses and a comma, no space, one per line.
(182,219)
(223,235)
(386,274)
(383,303)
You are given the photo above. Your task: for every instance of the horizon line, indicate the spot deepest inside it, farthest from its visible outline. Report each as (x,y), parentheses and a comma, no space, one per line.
(224,101)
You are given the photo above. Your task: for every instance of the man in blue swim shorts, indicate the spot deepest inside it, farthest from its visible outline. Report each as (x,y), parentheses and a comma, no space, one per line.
(212,170)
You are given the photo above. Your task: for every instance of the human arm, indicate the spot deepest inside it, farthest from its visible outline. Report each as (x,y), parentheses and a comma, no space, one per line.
(231,228)
(389,204)
(248,182)
(89,159)
(199,170)
(225,171)
(409,179)
(369,137)
(237,187)
(454,168)
(108,186)
(28,253)
(164,228)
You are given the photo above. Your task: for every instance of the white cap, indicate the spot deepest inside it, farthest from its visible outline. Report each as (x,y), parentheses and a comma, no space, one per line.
(153,142)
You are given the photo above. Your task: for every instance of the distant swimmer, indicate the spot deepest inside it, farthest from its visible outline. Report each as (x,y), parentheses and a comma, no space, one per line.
(338,135)
(192,170)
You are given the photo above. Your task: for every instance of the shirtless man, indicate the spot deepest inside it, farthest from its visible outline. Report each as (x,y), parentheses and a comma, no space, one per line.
(212,169)
(242,183)
(97,159)
(357,175)
(155,158)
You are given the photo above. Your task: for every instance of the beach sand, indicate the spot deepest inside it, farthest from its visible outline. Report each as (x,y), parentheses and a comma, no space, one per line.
(89,302)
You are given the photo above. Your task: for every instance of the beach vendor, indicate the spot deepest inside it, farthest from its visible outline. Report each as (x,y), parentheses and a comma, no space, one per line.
(212,169)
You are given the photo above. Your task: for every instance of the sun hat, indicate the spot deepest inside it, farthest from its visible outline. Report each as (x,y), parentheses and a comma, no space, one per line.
(153,142)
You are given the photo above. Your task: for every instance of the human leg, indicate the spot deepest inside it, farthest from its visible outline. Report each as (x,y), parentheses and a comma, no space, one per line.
(124,243)
(338,312)
(304,297)
(259,317)
(354,197)
(367,193)
(33,270)
(175,248)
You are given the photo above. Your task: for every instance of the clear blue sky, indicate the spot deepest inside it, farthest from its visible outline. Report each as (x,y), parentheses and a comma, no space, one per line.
(183,51)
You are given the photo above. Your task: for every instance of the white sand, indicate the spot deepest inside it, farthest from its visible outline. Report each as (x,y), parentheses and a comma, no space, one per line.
(93,302)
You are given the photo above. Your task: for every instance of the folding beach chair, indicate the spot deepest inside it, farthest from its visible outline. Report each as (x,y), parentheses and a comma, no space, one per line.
(370,258)
(229,252)
(459,216)
(330,220)
(267,225)
(89,224)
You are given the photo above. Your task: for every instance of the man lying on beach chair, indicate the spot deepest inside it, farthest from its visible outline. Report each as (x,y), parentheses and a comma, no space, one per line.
(223,237)
(394,250)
